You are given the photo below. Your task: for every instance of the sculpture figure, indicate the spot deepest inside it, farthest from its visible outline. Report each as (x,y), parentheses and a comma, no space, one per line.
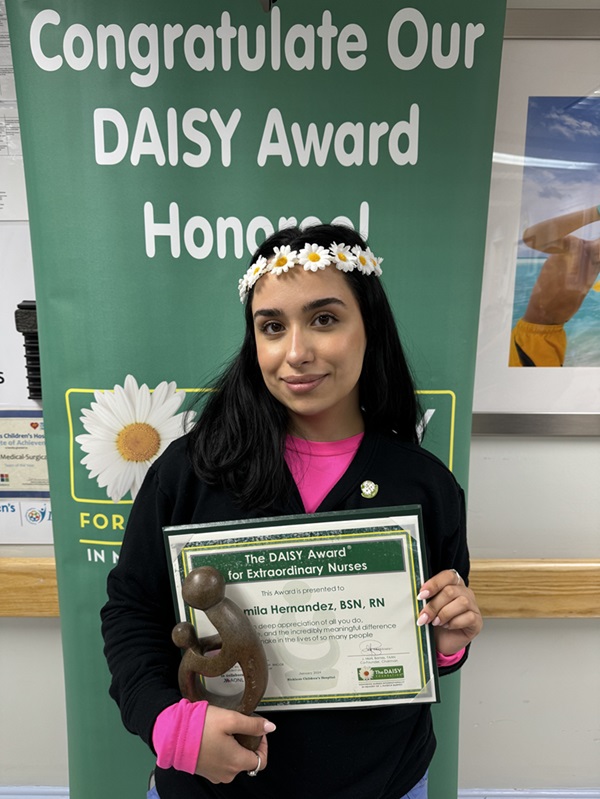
(236,642)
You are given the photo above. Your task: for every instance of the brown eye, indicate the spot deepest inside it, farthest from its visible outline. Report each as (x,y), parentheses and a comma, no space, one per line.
(324,320)
(272,328)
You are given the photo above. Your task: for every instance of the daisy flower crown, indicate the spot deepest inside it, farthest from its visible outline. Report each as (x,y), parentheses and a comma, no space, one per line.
(312,257)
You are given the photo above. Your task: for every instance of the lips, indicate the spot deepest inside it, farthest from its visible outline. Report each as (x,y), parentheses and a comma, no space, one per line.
(302,384)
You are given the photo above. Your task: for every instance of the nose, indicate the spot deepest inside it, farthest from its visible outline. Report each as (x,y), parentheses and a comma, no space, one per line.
(299,349)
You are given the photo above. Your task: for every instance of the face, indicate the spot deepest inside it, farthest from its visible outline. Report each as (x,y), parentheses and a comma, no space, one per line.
(310,340)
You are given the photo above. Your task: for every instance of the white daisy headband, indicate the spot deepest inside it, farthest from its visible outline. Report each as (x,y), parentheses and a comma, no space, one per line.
(312,257)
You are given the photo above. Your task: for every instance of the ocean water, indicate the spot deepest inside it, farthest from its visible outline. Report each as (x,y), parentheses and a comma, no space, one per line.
(583,330)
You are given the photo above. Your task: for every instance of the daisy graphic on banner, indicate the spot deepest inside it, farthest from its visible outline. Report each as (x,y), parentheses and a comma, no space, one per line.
(126,430)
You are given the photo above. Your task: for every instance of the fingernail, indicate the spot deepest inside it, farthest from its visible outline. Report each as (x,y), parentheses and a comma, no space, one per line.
(423,618)
(423,594)
(269,726)
(436,622)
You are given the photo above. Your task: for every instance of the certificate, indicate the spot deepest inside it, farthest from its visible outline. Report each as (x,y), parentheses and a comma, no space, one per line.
(23,467)
(333,599)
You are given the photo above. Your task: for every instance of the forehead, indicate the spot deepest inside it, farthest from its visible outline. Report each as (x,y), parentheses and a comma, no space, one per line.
(297,287)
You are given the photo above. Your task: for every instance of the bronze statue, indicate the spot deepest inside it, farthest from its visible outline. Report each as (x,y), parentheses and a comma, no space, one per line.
(236,642)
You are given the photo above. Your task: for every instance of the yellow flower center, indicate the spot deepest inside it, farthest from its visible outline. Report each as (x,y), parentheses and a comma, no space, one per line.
(281,261)
(341,256)
(138,442)
(314,256)
(362,259)
(256,270)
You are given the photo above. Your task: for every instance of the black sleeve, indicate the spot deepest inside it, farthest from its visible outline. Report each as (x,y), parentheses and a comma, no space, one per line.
(138,618)
(454,554)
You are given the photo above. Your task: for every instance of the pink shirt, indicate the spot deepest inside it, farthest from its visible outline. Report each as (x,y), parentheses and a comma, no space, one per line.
(317,466)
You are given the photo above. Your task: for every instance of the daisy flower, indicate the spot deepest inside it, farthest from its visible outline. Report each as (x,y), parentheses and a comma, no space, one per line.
(375,261)
(366,674)
(362,261)
(126,430)
(257,269)
(314,257)
(342,256)
(283,259)
(243,288)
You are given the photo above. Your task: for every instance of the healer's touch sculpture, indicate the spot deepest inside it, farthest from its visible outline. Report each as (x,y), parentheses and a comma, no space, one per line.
(236,642)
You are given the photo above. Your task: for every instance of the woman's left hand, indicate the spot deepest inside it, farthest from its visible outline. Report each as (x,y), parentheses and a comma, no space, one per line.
(452,610)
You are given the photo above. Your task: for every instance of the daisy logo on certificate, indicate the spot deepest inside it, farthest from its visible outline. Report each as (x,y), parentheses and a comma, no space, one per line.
(126,430)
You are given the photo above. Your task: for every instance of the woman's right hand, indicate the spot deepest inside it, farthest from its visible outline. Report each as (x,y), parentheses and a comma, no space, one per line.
(221,757)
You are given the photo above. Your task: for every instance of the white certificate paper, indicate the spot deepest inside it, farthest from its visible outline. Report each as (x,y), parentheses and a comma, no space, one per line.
(333,599)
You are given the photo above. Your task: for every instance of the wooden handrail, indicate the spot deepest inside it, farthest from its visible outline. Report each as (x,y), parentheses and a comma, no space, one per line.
(509,589)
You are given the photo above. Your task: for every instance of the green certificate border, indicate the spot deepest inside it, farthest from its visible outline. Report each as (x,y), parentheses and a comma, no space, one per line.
(366,565)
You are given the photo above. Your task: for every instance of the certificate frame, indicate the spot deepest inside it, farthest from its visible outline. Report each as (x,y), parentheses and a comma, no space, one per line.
(333,598)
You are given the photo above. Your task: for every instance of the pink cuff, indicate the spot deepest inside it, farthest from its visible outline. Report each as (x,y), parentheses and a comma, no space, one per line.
(448,660)
(177,735)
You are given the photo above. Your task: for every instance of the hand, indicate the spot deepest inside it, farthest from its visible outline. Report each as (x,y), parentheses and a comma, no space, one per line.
(221,757)
(452,610)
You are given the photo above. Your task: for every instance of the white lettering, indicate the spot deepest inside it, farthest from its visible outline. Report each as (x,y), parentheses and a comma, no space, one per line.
(223,225)
(147,146)
(147,48)
(226,32)
(304,148)
(196,136)
(226,232)
(278,146)
(102,155)
(47,63)
(356,133)
(189,233)
(148,34)
(252,64)
(327,33)
(153,229)
(256,224)
(103,34)
(346,46)
(73,34)
(472,33)
(439,59)
(414,17)
(206,35)
(306,35)
(409,129)
(349,145)
(171,34)
(225,132)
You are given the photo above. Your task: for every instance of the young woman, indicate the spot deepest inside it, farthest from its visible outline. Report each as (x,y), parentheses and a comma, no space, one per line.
(318,400)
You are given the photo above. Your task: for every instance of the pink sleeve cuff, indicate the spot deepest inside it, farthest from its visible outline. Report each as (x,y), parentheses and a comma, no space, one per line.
(449,660)
(177,735)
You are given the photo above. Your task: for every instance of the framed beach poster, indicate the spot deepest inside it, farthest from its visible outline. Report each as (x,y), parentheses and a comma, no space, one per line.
(543,217)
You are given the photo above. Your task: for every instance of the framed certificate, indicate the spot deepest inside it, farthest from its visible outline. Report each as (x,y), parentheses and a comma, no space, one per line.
(333,599)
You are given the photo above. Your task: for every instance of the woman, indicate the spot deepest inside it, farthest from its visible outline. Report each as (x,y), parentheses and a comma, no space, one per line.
(318,400)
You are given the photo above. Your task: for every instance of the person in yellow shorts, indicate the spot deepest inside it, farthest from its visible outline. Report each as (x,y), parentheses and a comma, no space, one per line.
(570,271)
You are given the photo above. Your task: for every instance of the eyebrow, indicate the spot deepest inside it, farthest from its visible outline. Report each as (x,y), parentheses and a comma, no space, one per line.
(314,305)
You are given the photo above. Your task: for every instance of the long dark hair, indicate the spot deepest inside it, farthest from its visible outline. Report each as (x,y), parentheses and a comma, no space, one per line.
(238,441)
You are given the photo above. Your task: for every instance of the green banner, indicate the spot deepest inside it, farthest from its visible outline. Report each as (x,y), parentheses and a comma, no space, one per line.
(162,141)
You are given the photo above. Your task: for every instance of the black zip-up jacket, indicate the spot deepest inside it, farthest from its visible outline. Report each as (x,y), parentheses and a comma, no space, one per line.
(372,753)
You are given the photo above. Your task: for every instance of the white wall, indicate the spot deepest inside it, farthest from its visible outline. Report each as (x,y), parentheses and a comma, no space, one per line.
(530,710)
(33,737)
